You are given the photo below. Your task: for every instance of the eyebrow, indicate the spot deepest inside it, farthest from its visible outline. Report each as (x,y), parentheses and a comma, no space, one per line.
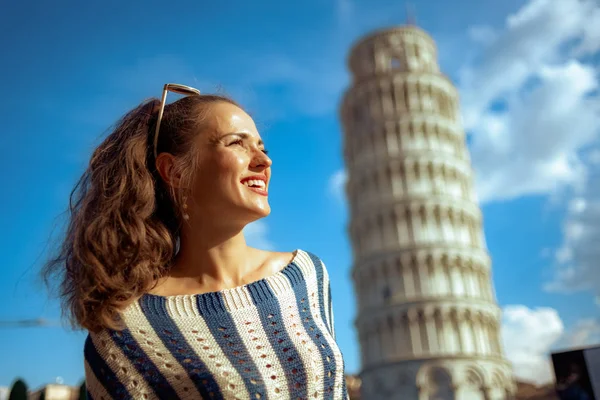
(244,136)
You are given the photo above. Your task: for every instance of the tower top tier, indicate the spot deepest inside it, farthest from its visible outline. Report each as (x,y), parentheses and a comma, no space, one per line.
(395,50)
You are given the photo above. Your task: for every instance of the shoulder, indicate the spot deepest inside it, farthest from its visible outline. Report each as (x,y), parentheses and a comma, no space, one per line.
(272,262)
(311,261)
(275,261)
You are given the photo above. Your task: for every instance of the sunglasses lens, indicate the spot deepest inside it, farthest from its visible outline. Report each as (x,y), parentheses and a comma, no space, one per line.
(181,89)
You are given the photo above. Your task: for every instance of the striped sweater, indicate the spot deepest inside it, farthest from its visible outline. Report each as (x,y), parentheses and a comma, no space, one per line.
(270,339)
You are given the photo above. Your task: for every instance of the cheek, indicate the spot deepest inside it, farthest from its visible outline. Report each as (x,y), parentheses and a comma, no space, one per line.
(222,167)
(231,163)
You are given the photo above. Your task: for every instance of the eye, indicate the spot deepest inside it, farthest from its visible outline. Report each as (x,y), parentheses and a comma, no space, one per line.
(265,151)
(238,142)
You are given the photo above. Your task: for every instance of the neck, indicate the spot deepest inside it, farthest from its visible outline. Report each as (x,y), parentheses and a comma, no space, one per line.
(212,255)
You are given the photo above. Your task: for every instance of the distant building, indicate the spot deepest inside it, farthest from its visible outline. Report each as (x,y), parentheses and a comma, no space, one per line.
(428,322)
(56,392)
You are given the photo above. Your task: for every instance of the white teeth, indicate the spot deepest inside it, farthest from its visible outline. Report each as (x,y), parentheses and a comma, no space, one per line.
(255,182)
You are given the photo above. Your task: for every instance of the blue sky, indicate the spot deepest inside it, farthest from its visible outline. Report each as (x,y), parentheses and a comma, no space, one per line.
(528,76)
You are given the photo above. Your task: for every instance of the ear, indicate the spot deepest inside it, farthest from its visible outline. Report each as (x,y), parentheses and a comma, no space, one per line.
(165,165)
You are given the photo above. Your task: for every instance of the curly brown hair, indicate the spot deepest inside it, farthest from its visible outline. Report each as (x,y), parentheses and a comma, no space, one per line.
(124,220)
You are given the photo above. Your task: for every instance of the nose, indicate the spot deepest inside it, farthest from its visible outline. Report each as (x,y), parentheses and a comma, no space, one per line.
(260,160)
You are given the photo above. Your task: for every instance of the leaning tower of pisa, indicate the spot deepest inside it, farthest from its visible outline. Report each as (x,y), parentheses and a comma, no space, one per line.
(428,322)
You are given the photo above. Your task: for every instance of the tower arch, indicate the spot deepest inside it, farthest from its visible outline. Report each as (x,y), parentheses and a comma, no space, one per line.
(435,382)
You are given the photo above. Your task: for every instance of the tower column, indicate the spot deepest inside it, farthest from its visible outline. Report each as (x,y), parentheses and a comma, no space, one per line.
(415,332)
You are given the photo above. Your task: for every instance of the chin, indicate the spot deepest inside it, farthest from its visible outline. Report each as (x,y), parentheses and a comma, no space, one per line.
(246,214)
(261,213)
(259,208)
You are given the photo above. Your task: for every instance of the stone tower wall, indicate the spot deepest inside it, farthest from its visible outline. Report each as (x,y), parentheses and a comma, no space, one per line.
(427,312)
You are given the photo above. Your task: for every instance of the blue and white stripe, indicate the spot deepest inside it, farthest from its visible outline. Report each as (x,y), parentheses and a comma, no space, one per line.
(271,339)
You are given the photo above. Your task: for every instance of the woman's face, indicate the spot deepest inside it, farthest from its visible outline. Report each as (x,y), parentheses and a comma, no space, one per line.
(232,180)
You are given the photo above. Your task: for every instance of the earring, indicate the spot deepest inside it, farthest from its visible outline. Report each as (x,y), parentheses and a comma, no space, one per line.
(185,215)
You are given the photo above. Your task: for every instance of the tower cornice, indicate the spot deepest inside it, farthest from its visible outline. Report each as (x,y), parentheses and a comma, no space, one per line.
(385,33)
(472,256)
(362,84)
(464,306)
(415,202)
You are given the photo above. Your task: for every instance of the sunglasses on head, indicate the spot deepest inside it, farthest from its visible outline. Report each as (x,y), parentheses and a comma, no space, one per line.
(175,88)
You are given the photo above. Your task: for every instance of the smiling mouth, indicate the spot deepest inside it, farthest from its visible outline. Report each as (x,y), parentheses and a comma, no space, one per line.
(255,183)
(258,186)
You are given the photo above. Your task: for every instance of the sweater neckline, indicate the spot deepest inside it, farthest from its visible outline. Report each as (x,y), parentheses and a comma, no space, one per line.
(228,300)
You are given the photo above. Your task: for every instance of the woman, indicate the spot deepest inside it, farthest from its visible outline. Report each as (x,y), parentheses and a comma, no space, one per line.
(155,266)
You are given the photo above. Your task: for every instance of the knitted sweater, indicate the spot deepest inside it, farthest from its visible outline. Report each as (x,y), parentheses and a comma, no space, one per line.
(270,339)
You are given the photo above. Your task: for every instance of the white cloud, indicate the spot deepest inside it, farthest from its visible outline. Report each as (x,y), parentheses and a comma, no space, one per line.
(337,184)
(593,157)
(527,100)
(577,258)
(585,333)
(528,336)
(256,235)
(590,42)
(577,205)
(563,255)
(4,392)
